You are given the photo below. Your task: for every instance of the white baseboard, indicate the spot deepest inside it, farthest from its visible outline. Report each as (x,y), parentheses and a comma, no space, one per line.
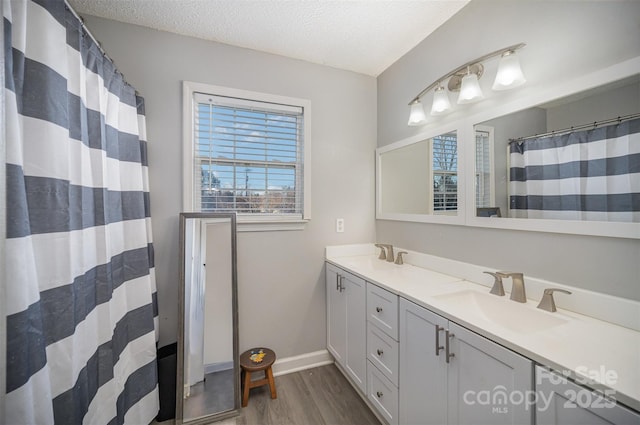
(292,364)
(217,367)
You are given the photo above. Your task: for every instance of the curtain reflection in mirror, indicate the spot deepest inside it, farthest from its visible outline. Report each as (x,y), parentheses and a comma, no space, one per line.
(584,175)
(567,180)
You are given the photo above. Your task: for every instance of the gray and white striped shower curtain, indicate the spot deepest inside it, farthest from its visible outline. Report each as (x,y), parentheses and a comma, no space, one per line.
(80,297)
(583,175)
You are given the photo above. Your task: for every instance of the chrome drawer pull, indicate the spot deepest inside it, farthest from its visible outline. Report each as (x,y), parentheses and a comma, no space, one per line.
(438,346)
(449,355)
(380,352)
(379,394)
(379,309)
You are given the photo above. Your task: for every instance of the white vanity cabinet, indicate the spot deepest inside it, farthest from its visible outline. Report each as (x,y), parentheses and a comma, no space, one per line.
(449,374)
(562,402)
(346,323)
(382,352)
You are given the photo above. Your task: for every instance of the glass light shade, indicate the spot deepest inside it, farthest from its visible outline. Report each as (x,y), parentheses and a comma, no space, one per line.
(441,104)
(509,73)
(417,115)
(470,89)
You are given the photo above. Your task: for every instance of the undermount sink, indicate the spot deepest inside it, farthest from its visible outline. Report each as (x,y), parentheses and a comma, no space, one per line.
(502,311)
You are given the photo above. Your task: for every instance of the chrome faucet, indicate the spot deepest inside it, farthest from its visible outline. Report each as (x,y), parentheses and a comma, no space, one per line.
(547,302)
(517,289)
(382,255)
(390,256)
(497,288)
(389,253)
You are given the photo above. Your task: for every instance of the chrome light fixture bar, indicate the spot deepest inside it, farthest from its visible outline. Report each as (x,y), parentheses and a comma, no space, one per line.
(465,79)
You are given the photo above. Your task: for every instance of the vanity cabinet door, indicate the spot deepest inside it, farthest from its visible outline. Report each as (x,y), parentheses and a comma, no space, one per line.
(561,402)
(462,390)
(336,316)
(356,324)
(346,323)
(423,374)
(487,383)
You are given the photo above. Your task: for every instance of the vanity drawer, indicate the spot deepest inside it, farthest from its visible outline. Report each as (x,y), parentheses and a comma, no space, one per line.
(382,309)
(382,394)
(382,352)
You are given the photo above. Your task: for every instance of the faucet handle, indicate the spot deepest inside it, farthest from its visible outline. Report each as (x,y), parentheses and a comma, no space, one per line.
(399,259)
(497,288)
(382,255)
(547,302)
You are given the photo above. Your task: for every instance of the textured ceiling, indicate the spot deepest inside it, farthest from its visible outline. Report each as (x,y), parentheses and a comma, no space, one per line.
(364,36)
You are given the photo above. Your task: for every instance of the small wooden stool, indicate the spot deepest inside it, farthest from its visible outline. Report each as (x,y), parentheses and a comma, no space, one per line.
(248,367)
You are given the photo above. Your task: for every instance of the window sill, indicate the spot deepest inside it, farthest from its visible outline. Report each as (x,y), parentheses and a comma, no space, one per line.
(248,224)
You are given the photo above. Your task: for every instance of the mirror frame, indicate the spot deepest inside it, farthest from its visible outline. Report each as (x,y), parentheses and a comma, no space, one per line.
(528,97)
(181,323)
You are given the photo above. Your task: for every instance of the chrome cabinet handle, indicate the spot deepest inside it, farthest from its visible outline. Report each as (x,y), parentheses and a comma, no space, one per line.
(337,281)
(379,394)
(448,355)
(380,352)
(379,309)
(438,346)
(342,288)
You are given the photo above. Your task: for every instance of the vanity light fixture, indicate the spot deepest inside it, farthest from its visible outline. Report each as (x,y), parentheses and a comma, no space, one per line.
(416,116)
(470,90)
(509,73)
(465,79)
(441,104)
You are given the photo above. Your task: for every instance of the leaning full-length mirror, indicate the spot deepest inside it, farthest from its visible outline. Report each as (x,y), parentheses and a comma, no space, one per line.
(208,374)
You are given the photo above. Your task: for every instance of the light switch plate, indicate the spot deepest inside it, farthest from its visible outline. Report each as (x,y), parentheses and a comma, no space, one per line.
(340,225)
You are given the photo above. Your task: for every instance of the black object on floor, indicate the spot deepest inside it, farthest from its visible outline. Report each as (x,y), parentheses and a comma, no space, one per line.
(167,381)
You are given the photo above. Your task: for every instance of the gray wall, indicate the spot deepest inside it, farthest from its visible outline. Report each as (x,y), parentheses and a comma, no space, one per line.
(564,39)
(601,106)
(280,274)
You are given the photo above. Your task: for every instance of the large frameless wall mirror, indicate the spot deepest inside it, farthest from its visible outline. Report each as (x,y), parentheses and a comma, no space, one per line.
(208,374)
(575,158)
(419,178)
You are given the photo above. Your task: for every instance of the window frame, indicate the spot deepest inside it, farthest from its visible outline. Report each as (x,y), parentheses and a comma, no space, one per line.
(492,172)
(433,173)
(246,222)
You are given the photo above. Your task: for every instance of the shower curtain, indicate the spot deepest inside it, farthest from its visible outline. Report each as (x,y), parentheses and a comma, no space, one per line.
(80,297)
(584,175)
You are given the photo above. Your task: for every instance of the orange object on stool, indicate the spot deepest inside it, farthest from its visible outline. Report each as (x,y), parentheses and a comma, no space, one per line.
(248,367)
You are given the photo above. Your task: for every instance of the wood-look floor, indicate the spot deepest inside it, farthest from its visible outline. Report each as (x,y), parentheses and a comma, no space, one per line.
(214,394)
(316,396)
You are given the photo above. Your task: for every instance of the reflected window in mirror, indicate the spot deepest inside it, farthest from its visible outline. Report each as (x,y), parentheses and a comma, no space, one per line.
(574,158)
(420,178)
(444,173)
(485,176)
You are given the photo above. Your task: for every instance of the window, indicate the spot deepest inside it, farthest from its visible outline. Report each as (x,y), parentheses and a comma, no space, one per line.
(247,154)
(485,181)
(444,151)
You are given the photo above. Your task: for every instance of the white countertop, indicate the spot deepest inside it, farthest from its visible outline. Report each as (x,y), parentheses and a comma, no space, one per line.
(570,343)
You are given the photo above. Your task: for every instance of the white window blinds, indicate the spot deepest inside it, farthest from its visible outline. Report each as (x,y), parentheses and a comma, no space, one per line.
(483,170)
(445,173)
(248,156)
